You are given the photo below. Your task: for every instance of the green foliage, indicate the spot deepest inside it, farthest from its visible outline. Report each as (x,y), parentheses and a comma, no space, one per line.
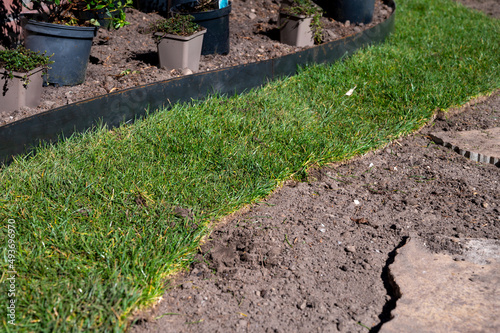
(114,10)
(22,60)
(69,12)
(303,7)
(307,8)
(181,25)
(96,232)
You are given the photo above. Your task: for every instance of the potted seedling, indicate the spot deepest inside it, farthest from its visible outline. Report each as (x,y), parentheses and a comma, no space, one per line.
(179,41)
(59,28)
(21,72)
(212,15)
(300,23)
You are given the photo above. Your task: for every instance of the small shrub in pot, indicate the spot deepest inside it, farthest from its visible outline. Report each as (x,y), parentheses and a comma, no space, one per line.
(21,73)
(179,41)
(70,12)
(300,22)
(59,28)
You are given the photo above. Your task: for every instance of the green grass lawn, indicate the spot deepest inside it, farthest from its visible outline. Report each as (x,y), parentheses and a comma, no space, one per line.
(96,235)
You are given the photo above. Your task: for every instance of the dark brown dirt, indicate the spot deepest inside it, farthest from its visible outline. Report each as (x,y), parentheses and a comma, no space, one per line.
(127,58)
(313,256)
(489,7)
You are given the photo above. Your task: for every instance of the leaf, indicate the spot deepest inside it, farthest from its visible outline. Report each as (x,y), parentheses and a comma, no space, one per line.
(349,93)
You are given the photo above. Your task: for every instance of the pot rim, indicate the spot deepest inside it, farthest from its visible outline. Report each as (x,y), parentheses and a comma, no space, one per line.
(3,72)
(182,38)
(222,11)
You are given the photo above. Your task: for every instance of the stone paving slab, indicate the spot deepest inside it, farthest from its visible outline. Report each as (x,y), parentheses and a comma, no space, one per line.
(479,145)
(442,294)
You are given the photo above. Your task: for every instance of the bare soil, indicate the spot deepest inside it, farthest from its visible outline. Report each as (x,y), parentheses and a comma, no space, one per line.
(489,7)
(314,256)
(128,57)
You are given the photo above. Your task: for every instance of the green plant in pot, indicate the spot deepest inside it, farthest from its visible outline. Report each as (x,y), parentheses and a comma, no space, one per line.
(59,28)
(179,41)
(21,72)
(81,12)
(300,23)
(212,15)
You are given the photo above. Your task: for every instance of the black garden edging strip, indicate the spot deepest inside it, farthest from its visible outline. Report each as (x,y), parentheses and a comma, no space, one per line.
(127,105)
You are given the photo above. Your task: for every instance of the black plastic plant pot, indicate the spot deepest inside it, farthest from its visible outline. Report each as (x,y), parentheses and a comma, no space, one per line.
(216,40)
(150,6)
(355,11)
(69,45)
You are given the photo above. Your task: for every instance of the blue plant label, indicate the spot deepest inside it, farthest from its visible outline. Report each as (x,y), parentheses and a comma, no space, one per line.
(222,4)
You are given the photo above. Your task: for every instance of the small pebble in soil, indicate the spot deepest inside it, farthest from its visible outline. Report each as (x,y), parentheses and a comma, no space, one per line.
(350,248)
(302,305)
(341,325)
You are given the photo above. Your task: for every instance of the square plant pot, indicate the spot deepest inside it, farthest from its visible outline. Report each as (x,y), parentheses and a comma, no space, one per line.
(14,94)
(179,52)
(296,30)
(216,21)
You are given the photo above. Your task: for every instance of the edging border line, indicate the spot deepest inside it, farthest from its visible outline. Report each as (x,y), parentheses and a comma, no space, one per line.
(130,104)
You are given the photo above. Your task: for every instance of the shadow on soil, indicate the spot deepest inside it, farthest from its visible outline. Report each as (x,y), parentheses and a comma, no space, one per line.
(150,58)
(391,287)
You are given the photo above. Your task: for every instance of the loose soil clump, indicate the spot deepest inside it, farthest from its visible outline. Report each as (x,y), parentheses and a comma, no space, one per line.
(128,57)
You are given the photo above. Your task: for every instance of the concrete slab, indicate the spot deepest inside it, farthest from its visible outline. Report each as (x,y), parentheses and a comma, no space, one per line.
(480,145)
(440,294)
